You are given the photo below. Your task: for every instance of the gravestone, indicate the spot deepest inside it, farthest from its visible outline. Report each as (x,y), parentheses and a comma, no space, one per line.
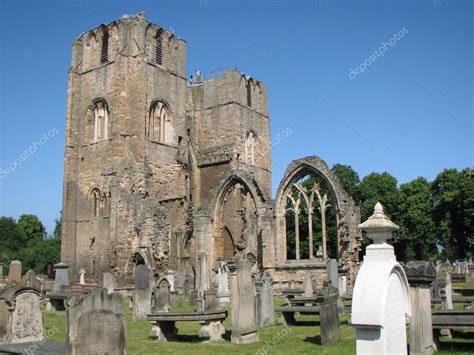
(82,274)
(244,328)
(307,284)
(186,287)
(446,294)
(33,281)
(61,279)
(223,293)
(343,285)
(170,276)
(96,324)
(163,294)
(265,312)
(142,293)
(25,322)
(381,297)
(108,281)
(329,314)
(48,270)
(14,274)
(331,269)
(420,275)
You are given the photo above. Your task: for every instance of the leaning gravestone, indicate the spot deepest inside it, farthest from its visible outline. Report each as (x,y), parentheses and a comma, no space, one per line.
(14,274)
(264,300)
(25,322)
(420,275)
(244,328)
(96,324)
(381,298)
(142,293)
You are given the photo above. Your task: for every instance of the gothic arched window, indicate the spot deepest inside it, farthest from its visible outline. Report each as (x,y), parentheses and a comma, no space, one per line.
(98,121)
(250,148)
(159,125)
(95,197)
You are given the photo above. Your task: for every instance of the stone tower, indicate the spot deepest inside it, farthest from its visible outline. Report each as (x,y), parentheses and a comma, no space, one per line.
(157,169)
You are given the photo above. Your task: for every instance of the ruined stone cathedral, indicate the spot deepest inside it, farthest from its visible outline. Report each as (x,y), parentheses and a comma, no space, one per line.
(159,169)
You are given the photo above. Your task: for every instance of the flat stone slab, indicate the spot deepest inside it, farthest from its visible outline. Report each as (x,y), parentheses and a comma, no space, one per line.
(298,309)
(37,348)
(453,318)
(187,316)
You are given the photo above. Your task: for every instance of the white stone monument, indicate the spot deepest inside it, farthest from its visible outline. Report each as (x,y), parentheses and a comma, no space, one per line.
(82,274)
(381,298)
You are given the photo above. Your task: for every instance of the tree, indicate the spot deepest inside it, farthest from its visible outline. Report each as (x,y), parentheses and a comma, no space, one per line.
(381,188)
(31,227)
(12,237)
(416,239)
(349,180)
(453,197)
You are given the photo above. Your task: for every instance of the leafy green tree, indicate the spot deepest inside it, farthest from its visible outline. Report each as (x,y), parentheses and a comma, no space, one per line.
(453,196)
(32,227)
(381,188)
(416,240)
(12,237)
(349,180)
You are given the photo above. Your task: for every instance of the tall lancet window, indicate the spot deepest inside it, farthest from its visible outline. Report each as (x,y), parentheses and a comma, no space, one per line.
(159,123)
(250,148)
(98,121)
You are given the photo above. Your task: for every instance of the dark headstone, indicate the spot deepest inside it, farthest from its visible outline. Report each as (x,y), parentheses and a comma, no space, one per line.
(142,277)
(329,315)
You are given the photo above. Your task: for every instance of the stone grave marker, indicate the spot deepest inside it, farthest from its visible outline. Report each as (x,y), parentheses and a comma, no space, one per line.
(163,294)
(331,268)
(14,274)
(142,293)
(33,281)
(96,324)
(25,321)
(307,284)
(381,297)
(329,314)
(108,282)
(264,300)
(82,274)
(420,275)
(244,328)
(202,281)
(61,279)
(223,292)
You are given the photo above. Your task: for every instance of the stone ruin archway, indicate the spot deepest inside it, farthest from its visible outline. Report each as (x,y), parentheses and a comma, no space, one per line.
(347,213)
(235,221)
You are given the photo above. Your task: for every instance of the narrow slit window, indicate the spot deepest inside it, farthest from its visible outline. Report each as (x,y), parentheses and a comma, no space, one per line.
(159,50)
(249,94)
(104,53)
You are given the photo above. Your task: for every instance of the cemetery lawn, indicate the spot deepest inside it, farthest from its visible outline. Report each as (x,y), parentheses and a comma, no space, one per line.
(301,339)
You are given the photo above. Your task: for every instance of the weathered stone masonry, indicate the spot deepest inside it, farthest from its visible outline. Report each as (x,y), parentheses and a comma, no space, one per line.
(158,170)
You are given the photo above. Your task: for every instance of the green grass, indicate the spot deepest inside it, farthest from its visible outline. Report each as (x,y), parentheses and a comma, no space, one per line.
(300,339)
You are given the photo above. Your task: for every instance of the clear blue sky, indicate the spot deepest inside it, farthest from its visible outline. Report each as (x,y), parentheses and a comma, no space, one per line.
(410,113)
